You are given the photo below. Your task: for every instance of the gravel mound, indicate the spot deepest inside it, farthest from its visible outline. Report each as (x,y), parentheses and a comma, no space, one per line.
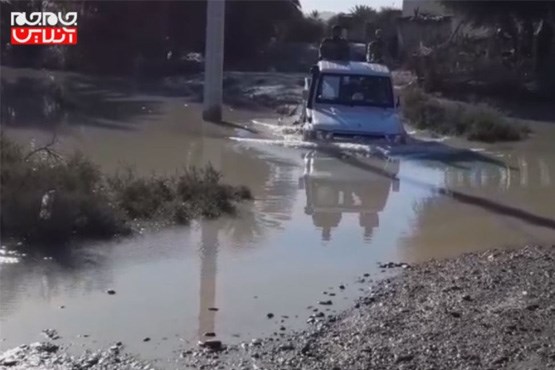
(493,310)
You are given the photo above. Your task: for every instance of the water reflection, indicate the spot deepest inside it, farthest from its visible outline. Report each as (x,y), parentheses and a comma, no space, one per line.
(529,172)
(485,206)
(72,269)
(45,99)
(208,260)
(334,188)
(169,277)
(166,281)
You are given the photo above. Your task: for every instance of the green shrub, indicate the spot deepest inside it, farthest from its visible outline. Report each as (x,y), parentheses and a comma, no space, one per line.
(50,199)
(475,122)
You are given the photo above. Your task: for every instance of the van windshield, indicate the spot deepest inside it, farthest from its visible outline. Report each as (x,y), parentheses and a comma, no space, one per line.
(359,90)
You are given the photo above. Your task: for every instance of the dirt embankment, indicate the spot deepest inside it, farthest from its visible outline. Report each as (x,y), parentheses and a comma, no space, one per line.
(493,310)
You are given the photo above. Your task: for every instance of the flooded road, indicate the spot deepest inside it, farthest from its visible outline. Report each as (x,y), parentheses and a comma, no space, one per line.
(322,217)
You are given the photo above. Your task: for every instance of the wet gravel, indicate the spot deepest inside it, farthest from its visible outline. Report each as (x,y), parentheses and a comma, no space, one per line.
(493,310)
(47,355)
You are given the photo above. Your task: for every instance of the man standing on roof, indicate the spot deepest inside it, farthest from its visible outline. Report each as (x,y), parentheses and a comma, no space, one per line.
(336,47)
(375,52)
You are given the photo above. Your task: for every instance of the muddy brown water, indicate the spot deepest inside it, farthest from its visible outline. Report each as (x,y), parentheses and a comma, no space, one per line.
(319,220)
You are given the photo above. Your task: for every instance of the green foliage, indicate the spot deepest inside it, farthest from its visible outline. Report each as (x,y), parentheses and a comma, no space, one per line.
(48,199)
(79,205)
(113,34)
(305,29)
(475,122)
(363,13)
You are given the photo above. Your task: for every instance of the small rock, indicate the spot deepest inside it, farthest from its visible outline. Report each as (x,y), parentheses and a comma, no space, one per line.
(213,345)
(342,287)
(403,358)
(282,328)
(111,291)
(209,334)
(270,315)
(147,339)
(51,334)
(366,275)
(325,303)
(466,297)
(532,307)
(256,342)
(287,347)
(62,307)
(8,362)
(213,309)
(455,314)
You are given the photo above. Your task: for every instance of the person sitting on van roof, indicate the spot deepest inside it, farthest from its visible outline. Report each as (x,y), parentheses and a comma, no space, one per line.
(336,47)
(376,49)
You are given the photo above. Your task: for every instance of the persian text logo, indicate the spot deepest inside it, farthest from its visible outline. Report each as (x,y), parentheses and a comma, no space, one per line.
(43,28)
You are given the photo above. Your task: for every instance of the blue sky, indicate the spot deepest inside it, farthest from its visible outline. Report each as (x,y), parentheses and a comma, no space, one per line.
(344,5)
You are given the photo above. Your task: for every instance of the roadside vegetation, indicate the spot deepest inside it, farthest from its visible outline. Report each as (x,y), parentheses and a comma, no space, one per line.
(474,122)
(49,198)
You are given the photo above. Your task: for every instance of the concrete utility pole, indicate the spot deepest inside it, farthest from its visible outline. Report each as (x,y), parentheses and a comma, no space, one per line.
(214,60)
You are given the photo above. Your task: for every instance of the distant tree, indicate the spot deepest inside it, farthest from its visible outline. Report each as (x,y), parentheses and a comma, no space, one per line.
(387,17)
(112,34)
(363,13)
(315,14)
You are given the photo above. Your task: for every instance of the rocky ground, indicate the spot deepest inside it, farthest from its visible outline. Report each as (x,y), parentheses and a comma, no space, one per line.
(492,310)
(50,356)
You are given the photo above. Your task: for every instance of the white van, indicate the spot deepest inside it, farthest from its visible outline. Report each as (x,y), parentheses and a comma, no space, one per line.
(351,100)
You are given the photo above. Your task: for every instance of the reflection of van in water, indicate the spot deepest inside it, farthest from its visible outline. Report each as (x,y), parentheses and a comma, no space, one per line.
(334,187)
